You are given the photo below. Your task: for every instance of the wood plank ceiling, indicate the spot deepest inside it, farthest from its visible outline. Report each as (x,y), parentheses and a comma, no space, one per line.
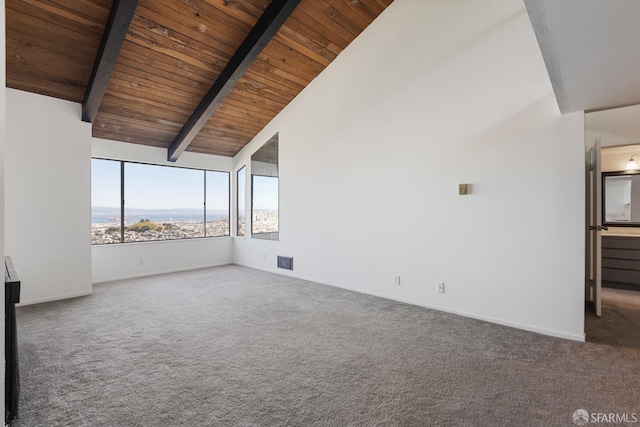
(172,54)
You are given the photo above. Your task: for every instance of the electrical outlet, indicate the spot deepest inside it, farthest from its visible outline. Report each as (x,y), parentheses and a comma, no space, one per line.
(440,287)
(396,280)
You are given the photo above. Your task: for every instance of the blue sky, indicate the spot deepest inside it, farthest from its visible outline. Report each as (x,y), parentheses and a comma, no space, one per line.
(265,192)
(157,187)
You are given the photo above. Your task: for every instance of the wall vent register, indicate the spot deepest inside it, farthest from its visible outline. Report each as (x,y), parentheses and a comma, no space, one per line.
(285,262)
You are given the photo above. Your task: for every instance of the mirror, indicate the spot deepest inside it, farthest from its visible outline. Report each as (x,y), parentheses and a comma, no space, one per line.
(264,191)
(621,198)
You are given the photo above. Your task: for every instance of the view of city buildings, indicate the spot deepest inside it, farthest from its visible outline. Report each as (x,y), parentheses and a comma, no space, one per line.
(144,230)
(242,223)
(264,221)
(163,202)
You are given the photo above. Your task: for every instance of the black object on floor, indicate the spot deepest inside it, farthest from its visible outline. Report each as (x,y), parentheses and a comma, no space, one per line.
(12,380)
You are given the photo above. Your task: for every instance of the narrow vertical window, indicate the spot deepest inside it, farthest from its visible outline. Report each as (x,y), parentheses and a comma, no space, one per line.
(265,221)
(105,202)
(217,203)
(241,200)
(265,205)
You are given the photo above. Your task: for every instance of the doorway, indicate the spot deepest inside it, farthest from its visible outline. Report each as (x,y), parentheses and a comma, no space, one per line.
(618,261)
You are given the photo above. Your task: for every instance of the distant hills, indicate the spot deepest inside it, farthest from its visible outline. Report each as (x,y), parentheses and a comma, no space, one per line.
(105,211)
(103,215)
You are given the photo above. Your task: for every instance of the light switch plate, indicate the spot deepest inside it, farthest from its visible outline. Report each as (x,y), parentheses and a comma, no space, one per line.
(462,189)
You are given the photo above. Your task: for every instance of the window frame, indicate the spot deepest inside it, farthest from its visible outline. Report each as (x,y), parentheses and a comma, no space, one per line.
(243,169)
(267,159)
(204,205)
(267,235)
(228,202)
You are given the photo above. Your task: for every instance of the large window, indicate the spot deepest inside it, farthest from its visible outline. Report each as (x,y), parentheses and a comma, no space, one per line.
(159,202)
(264,191)
(241,200)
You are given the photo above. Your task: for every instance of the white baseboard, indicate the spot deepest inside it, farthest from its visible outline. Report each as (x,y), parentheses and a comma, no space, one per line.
(157,273)
(55,298)
(543,331)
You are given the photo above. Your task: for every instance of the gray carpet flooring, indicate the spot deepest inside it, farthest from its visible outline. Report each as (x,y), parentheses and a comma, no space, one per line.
(620,321)
(231,346)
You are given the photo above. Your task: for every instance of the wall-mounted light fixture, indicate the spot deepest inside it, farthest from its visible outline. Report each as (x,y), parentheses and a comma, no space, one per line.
(632,166)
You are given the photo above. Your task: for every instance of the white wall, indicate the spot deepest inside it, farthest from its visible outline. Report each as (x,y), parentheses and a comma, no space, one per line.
(618,126)
(116,150)
(2,148)
(47,214)
(111,262)
(431,95)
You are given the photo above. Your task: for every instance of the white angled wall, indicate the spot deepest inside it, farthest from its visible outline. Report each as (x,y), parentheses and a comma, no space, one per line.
(47,196)
(431,95)
(112,262)
(2,148)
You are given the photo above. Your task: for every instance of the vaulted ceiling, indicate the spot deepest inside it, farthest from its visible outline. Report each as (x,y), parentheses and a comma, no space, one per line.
(173,53)
(589,47)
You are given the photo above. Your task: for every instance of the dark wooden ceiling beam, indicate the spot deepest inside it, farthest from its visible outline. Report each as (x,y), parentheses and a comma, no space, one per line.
(267,26)
(119,19)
